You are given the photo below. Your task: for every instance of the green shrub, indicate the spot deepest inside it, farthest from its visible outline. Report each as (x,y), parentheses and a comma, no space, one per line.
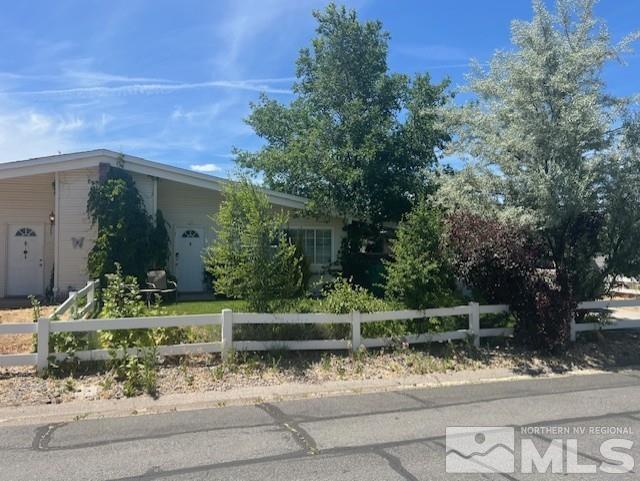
(361,256)
(252,258)
(68,343)
(127,234)
(137,374)
(122,299)
(342,297)
(419,274)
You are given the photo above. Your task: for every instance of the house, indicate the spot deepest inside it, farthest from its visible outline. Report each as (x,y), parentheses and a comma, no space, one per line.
(46,234)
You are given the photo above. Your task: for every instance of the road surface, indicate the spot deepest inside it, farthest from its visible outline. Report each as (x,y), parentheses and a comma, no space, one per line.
(385,436)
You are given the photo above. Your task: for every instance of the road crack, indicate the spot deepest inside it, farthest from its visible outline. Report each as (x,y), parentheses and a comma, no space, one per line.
(395,464)
(44,435)
(300,436)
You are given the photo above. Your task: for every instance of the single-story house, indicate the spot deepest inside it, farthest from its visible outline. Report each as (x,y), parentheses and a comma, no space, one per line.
(46,234)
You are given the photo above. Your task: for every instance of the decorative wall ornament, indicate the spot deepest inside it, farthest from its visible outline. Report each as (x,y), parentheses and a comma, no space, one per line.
(77,242)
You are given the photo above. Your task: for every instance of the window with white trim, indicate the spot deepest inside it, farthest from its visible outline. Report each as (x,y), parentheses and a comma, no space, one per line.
(25,232)
(315,244)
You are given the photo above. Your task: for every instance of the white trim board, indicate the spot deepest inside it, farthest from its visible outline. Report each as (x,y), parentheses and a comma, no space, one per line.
(92,158)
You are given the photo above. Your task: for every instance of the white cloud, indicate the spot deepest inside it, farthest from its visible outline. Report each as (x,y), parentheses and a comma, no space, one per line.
(93,78)
(206,168)
(246,23)
(27,133)
(254,85)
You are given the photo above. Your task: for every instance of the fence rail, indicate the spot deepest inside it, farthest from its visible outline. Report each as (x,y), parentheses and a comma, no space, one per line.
(73,300)
(227,319)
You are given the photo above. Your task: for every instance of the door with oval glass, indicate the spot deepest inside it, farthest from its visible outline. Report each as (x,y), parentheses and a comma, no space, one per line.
(26,260)
(188,246)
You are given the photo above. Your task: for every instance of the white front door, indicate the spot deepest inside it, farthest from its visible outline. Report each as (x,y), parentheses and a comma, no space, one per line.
(188,247)
(26,260)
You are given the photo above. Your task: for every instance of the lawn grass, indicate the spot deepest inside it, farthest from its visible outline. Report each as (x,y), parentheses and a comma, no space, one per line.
(203,307)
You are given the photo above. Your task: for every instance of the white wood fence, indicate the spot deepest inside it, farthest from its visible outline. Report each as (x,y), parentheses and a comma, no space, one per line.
(227,319)
(72,303)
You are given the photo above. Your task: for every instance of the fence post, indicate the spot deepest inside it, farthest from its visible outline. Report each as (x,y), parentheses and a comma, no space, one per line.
(91,294)
(474,322)
(42,356)
(227,332)
(356,339)
(572,328)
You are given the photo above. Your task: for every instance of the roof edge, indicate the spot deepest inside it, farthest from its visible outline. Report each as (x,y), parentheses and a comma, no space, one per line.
(148,167)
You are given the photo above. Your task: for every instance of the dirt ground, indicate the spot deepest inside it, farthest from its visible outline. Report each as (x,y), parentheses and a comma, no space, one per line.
(18,343)
(611,350)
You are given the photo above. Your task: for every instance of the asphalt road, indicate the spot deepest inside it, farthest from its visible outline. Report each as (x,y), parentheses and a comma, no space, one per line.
(395,435)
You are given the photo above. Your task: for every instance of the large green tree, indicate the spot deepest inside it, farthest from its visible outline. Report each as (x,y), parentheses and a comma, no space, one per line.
(552,144)
(356,139)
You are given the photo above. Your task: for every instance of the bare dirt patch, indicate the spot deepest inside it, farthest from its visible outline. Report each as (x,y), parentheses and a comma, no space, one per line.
(20,386)
(18,343)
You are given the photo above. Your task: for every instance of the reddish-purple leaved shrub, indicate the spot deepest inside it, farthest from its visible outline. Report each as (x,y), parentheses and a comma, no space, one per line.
(501,262)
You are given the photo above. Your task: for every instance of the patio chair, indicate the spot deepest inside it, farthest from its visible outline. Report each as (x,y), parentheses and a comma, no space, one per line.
(157,280)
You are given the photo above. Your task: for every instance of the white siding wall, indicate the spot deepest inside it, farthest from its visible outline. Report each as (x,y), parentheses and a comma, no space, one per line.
(27,200)
(186,206)
(145,185)
(74,223)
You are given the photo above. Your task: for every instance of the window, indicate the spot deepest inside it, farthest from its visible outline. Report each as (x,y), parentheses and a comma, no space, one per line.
(25,232)
(315,244)
(190,234)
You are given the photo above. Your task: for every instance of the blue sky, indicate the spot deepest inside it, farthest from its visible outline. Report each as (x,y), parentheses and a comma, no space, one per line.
(172,80)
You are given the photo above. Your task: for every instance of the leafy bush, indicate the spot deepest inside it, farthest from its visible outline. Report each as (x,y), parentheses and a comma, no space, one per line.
(501,262)
(158,243)
(252,257)
(361,256)
(496,258)
(342,297)
(419,274)
(137,374)
(127,234)
(121,299)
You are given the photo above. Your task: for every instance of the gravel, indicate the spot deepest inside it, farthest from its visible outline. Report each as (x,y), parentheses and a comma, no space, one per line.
(20,386)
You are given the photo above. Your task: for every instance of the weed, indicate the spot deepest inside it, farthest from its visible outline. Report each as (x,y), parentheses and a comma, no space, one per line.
(70,384)
(35,307)
(251,364)
(217,372)
(137,374)
(361,354)
(325,361)
(231,360)
(107,382)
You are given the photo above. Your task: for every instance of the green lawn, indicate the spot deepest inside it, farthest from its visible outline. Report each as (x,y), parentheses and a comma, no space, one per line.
(203,307)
